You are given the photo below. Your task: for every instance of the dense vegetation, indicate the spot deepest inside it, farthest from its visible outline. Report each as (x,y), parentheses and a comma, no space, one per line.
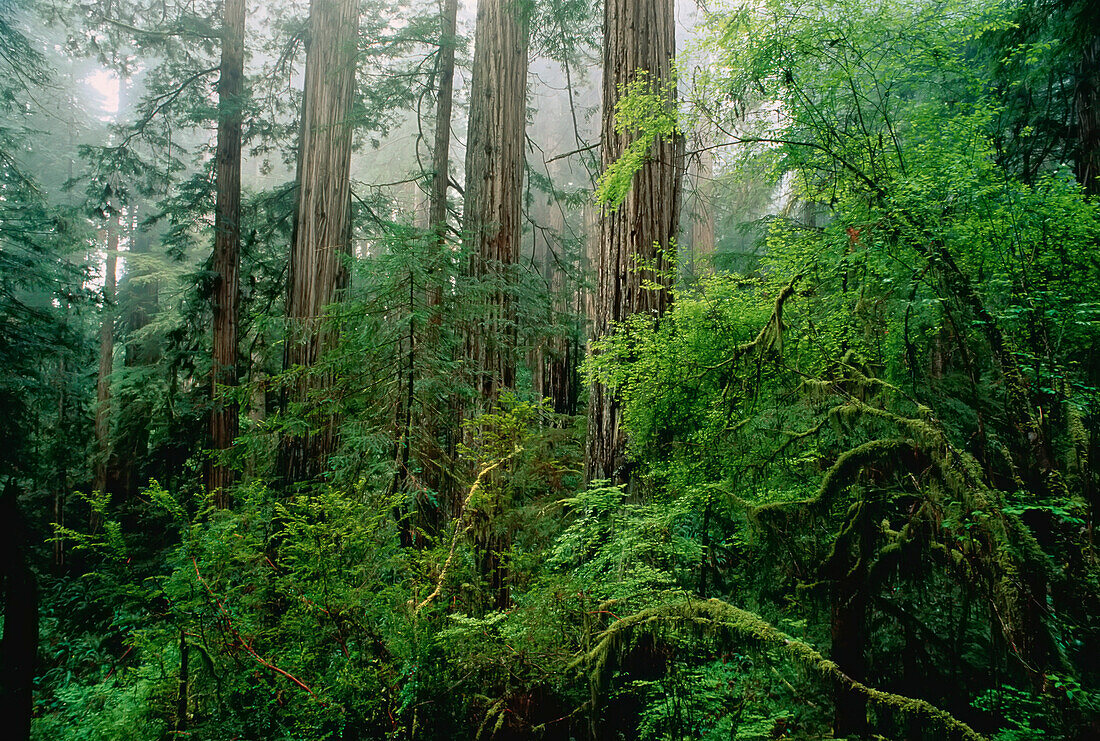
(766,405)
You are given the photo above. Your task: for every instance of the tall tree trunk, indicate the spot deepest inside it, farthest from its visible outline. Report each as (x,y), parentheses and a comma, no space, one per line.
(437,206)
(494,184)
(441,440)
(137,300)
(638,35)
(322,222)
(106,344)
(1087,103)
(554,365)
(19,645)
(227,250)
(492,222)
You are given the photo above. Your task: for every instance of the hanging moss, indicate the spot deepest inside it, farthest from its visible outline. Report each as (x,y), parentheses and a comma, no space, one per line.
(726,625)
(836,479)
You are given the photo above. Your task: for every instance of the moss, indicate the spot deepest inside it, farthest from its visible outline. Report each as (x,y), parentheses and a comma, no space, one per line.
(836,479)
(726,624)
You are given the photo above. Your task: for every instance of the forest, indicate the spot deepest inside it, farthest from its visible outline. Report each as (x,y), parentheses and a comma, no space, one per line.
(549,369)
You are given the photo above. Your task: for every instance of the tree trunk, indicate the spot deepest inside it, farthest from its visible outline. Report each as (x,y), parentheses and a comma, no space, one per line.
(137,298)
(440,425)
(322,223)
(19,645)
(492,222)
(494,184)
(227,251)
(1087,102)
(702,221)
(106,345)
(638,35)
(554,365)
(437,206)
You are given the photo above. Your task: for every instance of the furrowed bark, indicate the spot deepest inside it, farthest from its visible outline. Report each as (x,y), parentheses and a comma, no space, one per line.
(639,35)
(494,185)
(322,224)
(227,250)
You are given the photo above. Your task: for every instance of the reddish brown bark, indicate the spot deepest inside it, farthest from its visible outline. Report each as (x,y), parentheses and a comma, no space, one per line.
(227,250)
(322,223)
(494,184)
(638,35)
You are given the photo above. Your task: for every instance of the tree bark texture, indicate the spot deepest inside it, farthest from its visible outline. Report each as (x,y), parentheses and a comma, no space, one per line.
(638,35)
(227,249)
(106,345)
(437,205)
(322,222)
(494,184)
(555,361)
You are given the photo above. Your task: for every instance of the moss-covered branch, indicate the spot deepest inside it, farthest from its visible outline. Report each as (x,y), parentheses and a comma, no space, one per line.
(726,624)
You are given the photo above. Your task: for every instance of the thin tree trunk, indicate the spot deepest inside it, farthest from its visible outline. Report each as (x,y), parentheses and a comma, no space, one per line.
(638,35)
(555,363)
(106,345)
(62,485)
(137,297)
(227,250)
(702,222)
(182,689)
(437,207)
(439,451)
(494,184)
(1087,102)
(322,223)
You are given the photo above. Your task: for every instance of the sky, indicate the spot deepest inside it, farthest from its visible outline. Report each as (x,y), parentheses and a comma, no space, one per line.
(105,84)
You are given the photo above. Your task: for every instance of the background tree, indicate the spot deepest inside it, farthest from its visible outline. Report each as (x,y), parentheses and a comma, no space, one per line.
(227,245)
(322,225)
(494,185)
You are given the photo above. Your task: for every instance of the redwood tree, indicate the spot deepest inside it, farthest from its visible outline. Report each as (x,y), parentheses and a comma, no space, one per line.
(107,342)
(639,38)
(440,437)
(322,221)
(227,247)
(494,183)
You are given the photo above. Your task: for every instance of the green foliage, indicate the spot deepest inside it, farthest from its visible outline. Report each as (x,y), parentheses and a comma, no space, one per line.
(645,113)
(864,466)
